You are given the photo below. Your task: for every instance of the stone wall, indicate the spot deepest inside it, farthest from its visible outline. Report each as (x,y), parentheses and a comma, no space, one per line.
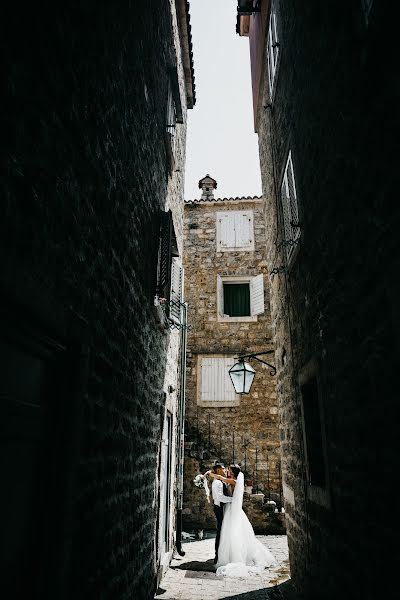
(172,382)
(333,307)
(219,432)
(85,175)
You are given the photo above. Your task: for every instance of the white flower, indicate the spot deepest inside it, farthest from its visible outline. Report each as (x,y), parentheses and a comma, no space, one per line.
(199,481)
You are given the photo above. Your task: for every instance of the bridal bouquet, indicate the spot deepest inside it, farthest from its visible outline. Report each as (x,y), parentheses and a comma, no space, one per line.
(201,482)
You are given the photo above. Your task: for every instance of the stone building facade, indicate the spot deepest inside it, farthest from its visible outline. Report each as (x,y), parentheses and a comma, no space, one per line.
(227,289)
(93,148)
(328,180)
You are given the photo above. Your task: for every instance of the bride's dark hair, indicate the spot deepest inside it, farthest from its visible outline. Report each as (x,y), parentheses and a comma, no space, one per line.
(235,470)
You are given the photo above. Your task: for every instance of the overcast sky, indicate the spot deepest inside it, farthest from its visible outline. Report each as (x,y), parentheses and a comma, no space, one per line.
(221,139)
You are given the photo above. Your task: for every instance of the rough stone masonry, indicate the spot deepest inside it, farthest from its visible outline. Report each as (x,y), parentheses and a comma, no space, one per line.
(244,429)
(85,174)
(327,144)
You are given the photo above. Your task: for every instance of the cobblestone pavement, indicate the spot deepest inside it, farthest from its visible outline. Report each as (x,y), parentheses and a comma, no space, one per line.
(193,576)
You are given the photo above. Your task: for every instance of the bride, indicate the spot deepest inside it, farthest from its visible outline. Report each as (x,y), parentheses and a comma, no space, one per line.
(240,552)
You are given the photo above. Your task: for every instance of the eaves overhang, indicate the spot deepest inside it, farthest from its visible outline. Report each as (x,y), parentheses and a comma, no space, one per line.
(185,33)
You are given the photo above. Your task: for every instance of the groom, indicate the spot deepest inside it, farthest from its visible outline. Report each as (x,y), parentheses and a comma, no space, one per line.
(220,497)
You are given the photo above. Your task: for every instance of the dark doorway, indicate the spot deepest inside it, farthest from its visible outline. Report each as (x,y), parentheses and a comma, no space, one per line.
(36,403)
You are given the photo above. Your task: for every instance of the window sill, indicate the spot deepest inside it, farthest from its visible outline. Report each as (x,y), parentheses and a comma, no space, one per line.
(237,319)
(237,249)
(218,403)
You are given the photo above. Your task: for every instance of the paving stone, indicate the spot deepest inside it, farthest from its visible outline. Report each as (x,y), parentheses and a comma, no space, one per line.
(199,581)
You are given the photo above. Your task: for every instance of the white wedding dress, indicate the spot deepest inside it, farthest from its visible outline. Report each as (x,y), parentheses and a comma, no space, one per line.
(240,553)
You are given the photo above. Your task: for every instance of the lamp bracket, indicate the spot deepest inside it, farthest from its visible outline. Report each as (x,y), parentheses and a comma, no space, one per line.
(249,357)
(278,270)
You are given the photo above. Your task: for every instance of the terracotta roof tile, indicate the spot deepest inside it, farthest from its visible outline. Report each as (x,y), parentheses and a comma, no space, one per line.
(242,198)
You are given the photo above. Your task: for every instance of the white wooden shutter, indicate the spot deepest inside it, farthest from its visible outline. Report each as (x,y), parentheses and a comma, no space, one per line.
(226,238)
(235,230)
(275,41)
(270,55)
(216,385)
(257,295)
(176,290)
(290,207)
(243,229)
(206,378)
(294,211)
(228,389)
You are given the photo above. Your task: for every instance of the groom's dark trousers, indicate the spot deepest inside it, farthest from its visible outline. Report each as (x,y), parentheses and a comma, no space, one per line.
(219,515)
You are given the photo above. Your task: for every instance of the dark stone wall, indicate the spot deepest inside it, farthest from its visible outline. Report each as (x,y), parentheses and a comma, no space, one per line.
(335,305)
(84,174)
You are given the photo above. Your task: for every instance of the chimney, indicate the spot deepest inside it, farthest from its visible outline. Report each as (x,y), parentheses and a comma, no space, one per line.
(207,186)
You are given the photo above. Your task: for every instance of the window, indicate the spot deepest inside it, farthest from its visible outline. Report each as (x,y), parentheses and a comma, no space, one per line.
(240,298)
(290,209)
(272,50)
(171,112)
(169,269)
(237,299)
(235,231)
(214,385)
(173,116)
(366,6)
(313,433)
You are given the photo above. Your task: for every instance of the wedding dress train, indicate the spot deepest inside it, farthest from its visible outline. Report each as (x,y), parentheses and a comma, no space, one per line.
(240,553)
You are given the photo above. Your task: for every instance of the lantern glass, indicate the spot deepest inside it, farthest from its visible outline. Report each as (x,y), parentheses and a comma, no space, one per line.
(242,375)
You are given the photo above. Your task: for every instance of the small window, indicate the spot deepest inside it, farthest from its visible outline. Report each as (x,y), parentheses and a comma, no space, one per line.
(169,269)
(173,116)
(313,433)
(290,209)
(171,111)
(272,50)
(239,298)
(235,230)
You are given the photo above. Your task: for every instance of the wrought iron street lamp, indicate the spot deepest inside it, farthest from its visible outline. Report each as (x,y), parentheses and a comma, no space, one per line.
(242,373)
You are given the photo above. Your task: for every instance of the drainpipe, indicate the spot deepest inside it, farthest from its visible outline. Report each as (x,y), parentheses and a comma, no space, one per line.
(181,432)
